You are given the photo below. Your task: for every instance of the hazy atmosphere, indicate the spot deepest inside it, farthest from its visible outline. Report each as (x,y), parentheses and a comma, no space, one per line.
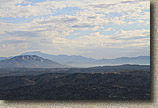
(90,28)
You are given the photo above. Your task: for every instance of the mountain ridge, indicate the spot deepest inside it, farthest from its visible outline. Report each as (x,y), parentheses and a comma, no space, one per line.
(80,61)
(61,58)
(29,61)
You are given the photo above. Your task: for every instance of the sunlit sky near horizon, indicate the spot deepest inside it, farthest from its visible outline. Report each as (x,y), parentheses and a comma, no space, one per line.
(90,28)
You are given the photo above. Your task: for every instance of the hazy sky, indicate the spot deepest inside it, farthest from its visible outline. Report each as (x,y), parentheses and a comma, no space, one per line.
(91,28)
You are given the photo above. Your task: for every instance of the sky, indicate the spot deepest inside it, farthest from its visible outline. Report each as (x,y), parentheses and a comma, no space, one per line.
(90,28)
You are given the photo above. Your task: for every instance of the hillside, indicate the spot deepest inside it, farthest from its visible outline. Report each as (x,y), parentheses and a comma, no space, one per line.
(77,86)
(29,61)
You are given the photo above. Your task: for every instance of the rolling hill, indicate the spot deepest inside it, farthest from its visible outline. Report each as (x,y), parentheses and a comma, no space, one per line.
(133,85)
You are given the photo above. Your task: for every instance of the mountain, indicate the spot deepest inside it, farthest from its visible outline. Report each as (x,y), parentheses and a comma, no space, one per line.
(29,61)
(3,58)
(125,60)
(80,61)
(64,59)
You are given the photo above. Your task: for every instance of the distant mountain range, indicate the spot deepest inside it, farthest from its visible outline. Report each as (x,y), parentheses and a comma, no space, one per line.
(29,61)
(61,58)
(3,58)
(80,61)
(127,60)
(55,61)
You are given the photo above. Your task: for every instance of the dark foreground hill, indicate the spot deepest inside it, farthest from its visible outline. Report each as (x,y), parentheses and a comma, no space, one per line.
(118,85)
(29,61)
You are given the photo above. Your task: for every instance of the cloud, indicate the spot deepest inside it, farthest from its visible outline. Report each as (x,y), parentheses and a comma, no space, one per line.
(70,20)
(12,41)
(128,2)
(22,34)
(96,40)
(100,24)
(83,26)
(102,5)
(109,29)
(122,34)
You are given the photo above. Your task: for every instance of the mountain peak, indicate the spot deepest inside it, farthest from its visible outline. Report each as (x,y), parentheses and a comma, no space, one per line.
(28,58)
(33,53)
(29,61)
